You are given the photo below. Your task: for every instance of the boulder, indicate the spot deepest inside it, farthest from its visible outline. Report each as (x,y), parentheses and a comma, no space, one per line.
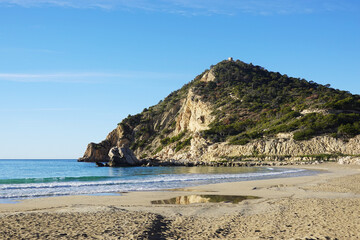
(120,157)
(100,164)
(96,152)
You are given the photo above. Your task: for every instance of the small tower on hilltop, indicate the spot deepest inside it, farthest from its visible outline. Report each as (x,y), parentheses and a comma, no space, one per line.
(230,59)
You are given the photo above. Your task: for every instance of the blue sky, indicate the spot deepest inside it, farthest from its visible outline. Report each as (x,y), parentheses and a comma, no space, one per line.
(71,70)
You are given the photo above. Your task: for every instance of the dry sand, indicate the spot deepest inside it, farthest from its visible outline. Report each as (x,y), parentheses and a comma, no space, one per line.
(325,206)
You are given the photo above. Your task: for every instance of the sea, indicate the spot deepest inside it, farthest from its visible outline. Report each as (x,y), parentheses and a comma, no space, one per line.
(23,178)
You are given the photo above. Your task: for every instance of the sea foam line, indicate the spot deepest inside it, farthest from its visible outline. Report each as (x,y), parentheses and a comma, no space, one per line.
(157,183)
(156,179)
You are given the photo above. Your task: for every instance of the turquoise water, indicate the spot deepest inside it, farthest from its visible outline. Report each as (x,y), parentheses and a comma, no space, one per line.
(20,179)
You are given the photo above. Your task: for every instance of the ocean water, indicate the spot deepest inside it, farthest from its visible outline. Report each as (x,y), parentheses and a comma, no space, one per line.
(21,179)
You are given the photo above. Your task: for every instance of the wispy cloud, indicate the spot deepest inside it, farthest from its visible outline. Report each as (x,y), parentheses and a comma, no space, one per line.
(89,77)
(197,7)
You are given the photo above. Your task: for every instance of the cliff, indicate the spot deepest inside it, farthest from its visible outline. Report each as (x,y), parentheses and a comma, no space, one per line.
(237,109)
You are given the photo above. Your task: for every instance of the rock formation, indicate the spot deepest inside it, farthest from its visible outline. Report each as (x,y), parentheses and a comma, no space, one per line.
(349,160)
(96,152)
(237,110)
(194,115)
(122,157)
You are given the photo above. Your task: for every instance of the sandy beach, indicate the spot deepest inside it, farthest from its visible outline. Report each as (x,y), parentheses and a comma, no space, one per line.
(324,206)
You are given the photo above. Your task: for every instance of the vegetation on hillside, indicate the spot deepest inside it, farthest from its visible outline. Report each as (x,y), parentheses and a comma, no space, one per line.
(251,102)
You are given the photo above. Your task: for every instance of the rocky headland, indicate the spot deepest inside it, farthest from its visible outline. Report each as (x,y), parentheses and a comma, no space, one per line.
(238,114)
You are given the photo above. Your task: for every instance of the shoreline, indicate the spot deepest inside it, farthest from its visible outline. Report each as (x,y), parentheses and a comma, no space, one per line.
(334,189)
(150,179)
(311,172)
(326,171)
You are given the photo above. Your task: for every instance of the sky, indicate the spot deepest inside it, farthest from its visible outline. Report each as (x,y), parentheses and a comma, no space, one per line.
(70,70)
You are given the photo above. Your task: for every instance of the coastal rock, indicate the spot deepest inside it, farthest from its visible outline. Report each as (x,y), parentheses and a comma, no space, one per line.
(122,157)
(100,164)
(96,152)
(349,160)
(99,152)
(117,137)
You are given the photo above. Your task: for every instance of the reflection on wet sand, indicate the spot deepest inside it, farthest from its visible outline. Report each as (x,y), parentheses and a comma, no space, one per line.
(184,200)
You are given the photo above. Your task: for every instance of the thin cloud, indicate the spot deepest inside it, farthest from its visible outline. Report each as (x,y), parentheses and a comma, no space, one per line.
(88,77)
(197,7)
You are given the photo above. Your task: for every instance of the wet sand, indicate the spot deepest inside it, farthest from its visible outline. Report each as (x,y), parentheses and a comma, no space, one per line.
(325,206)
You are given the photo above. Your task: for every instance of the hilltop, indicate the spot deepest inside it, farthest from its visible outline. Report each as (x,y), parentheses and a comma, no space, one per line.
(238,110)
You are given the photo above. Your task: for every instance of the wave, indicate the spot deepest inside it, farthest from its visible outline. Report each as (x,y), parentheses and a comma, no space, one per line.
(51,179)
(153,179)
(150,182)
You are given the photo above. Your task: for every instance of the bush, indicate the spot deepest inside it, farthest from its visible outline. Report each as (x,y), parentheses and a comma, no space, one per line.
(167,140)
(242,141)
(304,134)
(346,104)
(158,149)
(220,132)
(348,130)
(181,145)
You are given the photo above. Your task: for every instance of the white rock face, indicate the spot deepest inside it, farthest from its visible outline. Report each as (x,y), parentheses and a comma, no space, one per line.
(349,160)
(285,135)
(208,77)
(285,146)
(315,110)
(115,134)
(200,149)
(194,115)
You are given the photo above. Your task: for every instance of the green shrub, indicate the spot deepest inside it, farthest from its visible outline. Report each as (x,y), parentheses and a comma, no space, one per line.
(242,141)
(167,140)
(181,145)
(304,134)
(348,130)
(220,131)
(158,149)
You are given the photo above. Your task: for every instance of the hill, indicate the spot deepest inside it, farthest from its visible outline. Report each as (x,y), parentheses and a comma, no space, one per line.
(236,109)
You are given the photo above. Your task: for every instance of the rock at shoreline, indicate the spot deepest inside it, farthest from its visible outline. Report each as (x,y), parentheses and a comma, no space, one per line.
(96,152)
(100,164)
(122,157)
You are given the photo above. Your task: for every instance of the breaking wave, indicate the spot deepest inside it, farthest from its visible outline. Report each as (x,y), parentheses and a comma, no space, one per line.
(59,186)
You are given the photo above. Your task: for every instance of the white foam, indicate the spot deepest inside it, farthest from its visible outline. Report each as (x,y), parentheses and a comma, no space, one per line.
(145,183)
